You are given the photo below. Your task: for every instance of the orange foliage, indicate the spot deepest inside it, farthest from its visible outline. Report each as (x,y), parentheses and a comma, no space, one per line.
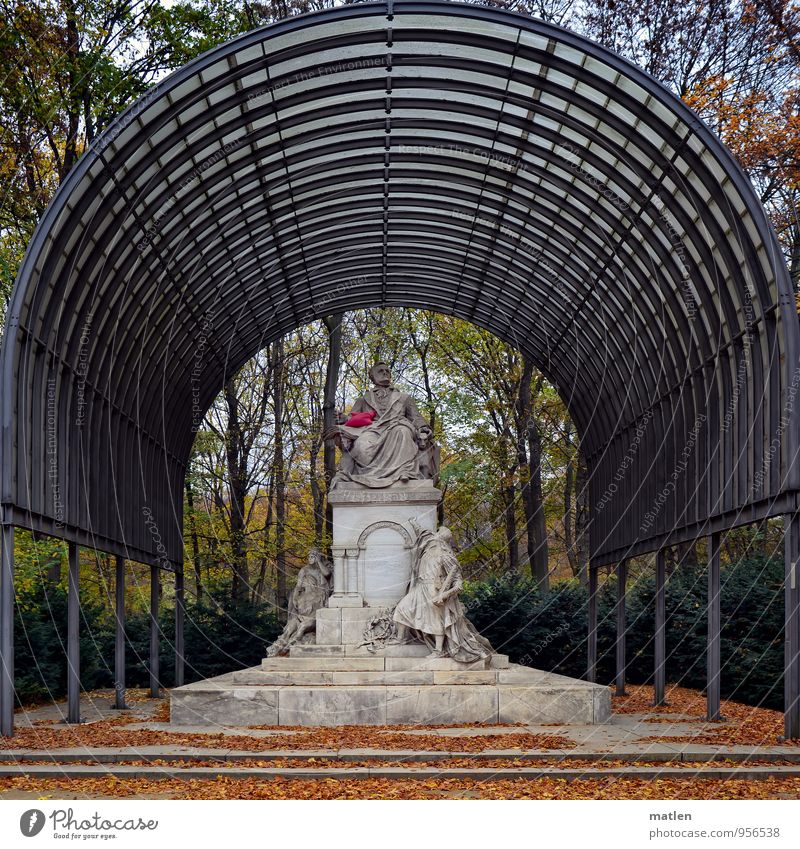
(761,134)
(434,788)
(743,725)
(113,734)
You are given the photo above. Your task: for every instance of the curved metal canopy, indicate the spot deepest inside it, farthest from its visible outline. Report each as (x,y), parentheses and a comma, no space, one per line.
(432,155)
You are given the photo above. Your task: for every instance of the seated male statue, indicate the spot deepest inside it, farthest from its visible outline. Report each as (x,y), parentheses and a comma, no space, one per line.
(386,449)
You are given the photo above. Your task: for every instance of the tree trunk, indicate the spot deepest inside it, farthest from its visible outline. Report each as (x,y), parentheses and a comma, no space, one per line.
(334,326)
(509,496)
(317,493)
(531,466)
(54,568)
(279,476)
(569,515)
(762,541)
(258,594)
(685,554)
(524,417)
(541,552)
(237,492)
(76,81)
(198,578)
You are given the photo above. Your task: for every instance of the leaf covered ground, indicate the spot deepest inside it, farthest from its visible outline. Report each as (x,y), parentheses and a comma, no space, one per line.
(433,788)
(743,725)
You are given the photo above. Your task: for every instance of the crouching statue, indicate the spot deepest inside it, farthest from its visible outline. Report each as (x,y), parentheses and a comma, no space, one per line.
(310,593)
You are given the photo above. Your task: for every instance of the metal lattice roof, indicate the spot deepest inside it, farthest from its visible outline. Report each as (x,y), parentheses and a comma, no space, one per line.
(432,155)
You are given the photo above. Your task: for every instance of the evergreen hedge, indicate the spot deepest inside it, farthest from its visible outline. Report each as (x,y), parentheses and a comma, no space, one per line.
(546,633)
(218,638)
(551,633)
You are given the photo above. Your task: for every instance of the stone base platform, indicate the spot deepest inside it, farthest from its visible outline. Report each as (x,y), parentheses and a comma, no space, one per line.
(332,685)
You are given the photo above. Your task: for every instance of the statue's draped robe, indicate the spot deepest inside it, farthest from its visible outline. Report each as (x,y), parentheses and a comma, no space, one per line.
(310,593)
(434,570)
(385,451)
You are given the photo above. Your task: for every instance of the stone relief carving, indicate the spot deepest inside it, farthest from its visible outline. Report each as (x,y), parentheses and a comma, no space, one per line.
(380,630)
(385,523)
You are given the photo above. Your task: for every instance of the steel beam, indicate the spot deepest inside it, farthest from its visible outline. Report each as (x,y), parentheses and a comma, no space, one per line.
(179,624)
(622,580)
(791,680)
(73,636)
(591,671)
(155,578)
(714,627)
(119,641)
(659,646)
(7,631)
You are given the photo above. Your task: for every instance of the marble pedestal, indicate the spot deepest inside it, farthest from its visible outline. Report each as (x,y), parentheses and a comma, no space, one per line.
(341,682)
(373,540)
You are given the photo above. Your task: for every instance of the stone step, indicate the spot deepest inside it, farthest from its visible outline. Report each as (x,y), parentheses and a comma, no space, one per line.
(355,650)
(321,662)
(364,678)
(399,773)
(312,650)
(556,700)
(411,650)
(436,664)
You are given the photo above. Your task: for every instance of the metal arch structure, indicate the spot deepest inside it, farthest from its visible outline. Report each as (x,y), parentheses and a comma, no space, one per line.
(427,154)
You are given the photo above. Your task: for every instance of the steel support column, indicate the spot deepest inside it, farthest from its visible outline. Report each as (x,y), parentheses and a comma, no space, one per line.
(154,641)
(591,671)
(659,647)
(179,619)
(119,644)
(622,580)
(73,637)
(7,631)
(714,626)
(791,680)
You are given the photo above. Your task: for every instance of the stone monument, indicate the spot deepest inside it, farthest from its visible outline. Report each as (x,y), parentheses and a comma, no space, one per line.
(392,643)
(310,593)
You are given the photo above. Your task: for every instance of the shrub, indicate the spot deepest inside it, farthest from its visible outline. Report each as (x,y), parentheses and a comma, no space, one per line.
(548,633)
(551,633)
(218,638)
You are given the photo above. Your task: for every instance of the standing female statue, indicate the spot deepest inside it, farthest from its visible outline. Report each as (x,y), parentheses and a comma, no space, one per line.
(431,607)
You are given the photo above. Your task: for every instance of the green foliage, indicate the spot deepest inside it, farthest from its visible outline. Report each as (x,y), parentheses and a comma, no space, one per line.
(547,633)
(551,633)
(544,632)
(40,635)
(219,638)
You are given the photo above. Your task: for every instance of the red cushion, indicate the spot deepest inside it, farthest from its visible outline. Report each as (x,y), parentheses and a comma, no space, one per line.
(360,419)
